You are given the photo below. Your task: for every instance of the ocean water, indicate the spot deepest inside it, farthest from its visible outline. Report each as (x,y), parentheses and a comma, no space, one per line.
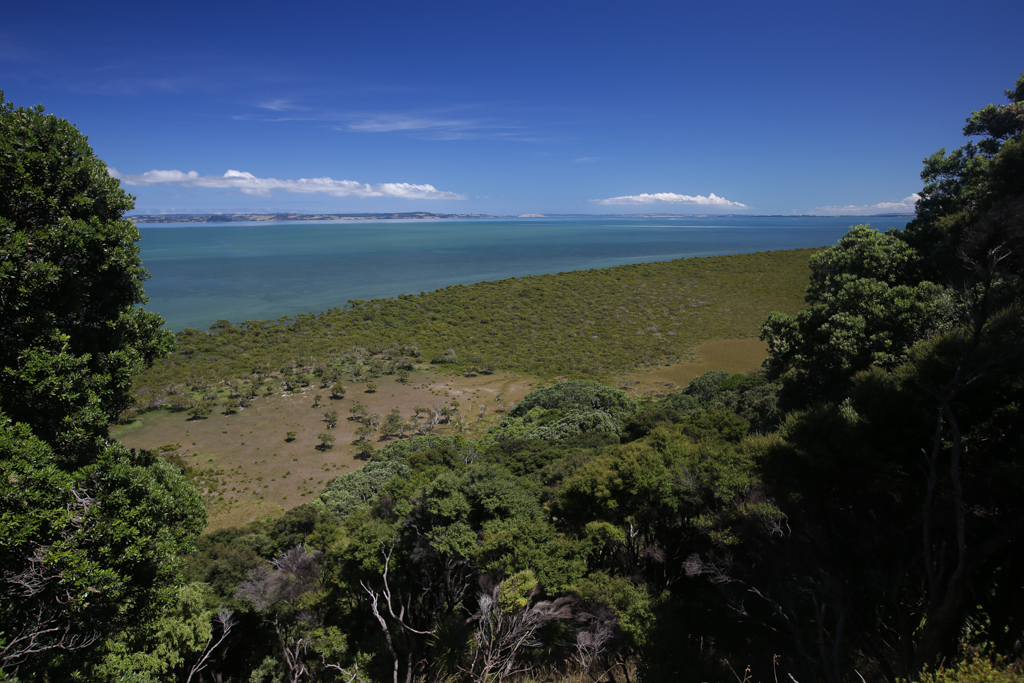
(262,271)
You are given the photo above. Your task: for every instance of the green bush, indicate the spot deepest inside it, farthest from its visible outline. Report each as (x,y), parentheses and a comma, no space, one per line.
(578,395)
(976,669)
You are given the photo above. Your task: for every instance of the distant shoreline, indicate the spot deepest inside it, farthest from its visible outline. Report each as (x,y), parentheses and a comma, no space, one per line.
(251,217)
(422,215)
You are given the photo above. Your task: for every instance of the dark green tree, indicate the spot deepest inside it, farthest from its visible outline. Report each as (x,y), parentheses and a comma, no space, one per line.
(578,395)
(875,295)
(968,189)
(868,307)
(904,496)
(71,332)
(91,535)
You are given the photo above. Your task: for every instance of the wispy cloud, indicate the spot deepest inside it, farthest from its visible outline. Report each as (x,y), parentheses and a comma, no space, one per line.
(247,183)
(386,123)
(587,160)
(905,205)
(281,104)
(673,198)
(430,125)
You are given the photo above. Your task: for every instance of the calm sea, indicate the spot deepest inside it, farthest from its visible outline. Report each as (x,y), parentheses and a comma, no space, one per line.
(260,271)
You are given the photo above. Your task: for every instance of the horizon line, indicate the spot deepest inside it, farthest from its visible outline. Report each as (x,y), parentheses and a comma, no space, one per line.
(311,215)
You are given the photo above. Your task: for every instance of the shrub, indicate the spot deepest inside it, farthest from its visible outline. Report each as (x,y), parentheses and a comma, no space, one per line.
(976,669)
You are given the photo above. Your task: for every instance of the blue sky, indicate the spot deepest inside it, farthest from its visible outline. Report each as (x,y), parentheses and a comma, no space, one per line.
(512,108)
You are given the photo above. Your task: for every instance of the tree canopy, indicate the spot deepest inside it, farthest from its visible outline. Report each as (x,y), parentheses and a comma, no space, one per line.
(904,460)
(90,533)
(873,295)
(71,332)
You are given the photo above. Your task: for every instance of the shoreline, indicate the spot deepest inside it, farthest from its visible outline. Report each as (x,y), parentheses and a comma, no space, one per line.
(422,215)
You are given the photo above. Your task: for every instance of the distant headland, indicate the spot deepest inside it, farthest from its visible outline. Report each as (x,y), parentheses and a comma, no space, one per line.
(248,217)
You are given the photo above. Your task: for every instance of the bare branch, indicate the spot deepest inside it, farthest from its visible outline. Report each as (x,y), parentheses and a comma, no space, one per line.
(226,619)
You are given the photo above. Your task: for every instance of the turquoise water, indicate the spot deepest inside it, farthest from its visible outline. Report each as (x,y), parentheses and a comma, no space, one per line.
(260,271)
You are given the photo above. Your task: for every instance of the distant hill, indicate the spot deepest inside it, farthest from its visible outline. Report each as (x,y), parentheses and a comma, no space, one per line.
(240,217)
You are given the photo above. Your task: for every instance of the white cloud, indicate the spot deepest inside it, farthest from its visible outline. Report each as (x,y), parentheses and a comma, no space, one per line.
(673,198)
(435,128)
(281,104)
(905,205)
(386,123)
(247,183)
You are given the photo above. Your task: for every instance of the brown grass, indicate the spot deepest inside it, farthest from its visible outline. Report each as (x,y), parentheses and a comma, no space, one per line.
(250,470)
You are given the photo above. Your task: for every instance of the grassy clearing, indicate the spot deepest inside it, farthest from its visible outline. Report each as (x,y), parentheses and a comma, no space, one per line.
(246,467)
(733,355)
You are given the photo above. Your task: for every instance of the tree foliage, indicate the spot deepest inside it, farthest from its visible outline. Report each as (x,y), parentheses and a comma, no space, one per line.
(907,476)
(91,533)
(70,281)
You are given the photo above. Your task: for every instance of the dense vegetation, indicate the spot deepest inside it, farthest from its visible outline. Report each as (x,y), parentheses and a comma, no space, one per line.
(92,536)
(586,323)
(855,513)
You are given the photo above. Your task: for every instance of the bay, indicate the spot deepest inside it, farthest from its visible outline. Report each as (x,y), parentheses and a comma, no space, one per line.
(263,271)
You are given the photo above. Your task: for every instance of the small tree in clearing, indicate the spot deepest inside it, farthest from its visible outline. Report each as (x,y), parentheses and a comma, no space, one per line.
(200,411)
(358,410)
(363,433)
(393,424)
